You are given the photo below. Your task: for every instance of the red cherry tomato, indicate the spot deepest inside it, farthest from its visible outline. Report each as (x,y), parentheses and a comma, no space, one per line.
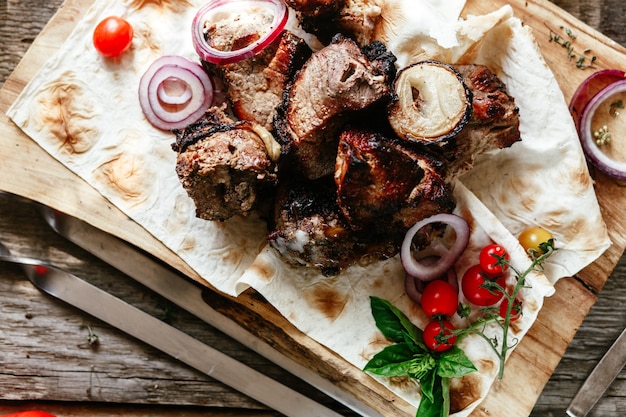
(29,414)
(472,285)
(112,36)
(435,335)
(439,298)
(516,310)
(488,259)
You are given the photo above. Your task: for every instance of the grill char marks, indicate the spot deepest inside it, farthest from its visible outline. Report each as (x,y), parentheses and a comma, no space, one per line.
(310,229)
(380,177)
(333,84)
(494,123)
(224,166)
(255,86)
(355,19)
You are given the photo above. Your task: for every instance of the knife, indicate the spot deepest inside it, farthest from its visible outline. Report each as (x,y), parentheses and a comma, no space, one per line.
(181,291)
(600,378)
(121,315)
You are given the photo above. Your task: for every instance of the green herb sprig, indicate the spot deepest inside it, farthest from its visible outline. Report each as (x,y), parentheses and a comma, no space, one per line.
(583,60)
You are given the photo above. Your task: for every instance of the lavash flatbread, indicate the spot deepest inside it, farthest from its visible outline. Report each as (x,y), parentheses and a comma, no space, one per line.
(84,111)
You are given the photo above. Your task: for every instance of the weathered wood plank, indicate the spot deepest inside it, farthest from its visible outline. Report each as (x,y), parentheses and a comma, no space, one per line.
(119,356)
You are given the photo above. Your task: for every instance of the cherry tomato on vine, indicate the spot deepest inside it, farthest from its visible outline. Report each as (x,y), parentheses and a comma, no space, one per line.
(488,259)
(533,237)
(439,298)
(29,414)
(112,36)
(472,285)
(438,336)
(516,310)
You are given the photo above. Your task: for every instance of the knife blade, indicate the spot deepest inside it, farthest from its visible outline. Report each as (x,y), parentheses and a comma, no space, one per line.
(186,295)
(121,315)
(599,379)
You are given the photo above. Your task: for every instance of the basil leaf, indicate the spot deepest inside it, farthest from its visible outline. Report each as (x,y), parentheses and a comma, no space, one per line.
(427,385)
(432,405)
(454,363)
(445,396)
(394,325)
(393,360)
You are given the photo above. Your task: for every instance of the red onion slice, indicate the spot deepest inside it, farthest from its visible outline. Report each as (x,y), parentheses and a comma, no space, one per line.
(589,88)
(595,155)
(223,7)
(448,257)
(414,287)
(166,110)
(174,91)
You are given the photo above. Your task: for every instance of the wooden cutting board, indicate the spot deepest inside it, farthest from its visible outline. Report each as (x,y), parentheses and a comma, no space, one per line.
(29,171)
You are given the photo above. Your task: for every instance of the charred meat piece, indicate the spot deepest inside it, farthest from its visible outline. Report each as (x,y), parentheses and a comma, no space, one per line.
(494,123)
(335,82)
(315,8)
(255,86)
(385,185)
(355,19)
(226,167)
(310,230)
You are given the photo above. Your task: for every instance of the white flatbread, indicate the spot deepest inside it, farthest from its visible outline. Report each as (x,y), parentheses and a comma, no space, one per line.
(84,111)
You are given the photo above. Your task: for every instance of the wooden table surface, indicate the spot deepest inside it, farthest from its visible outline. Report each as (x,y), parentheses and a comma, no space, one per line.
(75,379)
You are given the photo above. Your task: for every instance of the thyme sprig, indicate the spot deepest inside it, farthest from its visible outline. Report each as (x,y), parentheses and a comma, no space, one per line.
(583,60)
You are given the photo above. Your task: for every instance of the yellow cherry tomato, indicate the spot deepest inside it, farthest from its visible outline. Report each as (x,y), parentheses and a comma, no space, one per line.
(533,237)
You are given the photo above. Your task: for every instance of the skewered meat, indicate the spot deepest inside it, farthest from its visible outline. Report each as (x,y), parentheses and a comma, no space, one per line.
(485,118)
(226,167)
(315,8)
(255,86)
(310,230)
(380,177)
(494,123)
(335,82)
(355,19)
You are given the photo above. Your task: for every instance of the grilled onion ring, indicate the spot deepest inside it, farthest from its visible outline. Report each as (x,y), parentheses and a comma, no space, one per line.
(433,103)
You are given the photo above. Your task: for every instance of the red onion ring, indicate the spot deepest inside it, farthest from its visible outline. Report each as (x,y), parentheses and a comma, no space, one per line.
(215,56)
(448,257)
(414,287)
(589,88)
(168,111)
(595,155)
(173,83)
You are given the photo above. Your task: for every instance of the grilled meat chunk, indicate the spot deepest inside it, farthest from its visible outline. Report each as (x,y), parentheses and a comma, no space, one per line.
(315,8)
(310,230)
(255,86)
(494,123)
(335,82)
(226,167)
(385,185)
(355,19)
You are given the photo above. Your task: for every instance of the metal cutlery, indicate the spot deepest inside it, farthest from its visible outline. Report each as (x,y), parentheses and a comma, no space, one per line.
(184,293)
(599,379)
(112,310)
